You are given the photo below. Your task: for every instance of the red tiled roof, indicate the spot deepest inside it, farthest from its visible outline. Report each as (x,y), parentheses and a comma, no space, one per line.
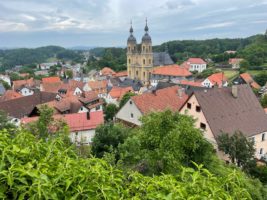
(107,71)
(10,94)
(246,77)
(166,98)
(235,60)
(118,92)
(121,74)
(265,110)
(191,83)
(217,79)
(172,70)
(196,61)
(54,79)
(255,85)
(76,121)
(19,83)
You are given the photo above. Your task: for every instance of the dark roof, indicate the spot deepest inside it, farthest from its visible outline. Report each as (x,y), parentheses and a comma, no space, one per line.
(162,58)
(126,82)
(23,106)
(162,85)
(226,113)
(146,38)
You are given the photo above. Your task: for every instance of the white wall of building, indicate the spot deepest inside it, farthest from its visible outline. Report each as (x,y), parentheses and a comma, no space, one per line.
(26,92)
(82,137)
(197,67)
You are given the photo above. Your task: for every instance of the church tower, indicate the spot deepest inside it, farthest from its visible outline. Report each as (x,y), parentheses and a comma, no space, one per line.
(146,55)
(131,54)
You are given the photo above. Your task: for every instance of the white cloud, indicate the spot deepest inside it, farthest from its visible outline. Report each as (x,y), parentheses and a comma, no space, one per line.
(216,25)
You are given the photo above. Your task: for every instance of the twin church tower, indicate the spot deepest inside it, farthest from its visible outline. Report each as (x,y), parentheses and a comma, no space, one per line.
(141,60)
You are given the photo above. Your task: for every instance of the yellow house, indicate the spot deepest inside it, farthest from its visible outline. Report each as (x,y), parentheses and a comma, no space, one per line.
(228,110)
(141,61)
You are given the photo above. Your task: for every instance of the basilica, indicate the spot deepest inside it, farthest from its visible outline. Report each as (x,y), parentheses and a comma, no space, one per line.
(141,59)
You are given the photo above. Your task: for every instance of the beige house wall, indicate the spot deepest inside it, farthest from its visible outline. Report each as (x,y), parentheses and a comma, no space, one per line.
(200,118)
(130,113)
(260,144)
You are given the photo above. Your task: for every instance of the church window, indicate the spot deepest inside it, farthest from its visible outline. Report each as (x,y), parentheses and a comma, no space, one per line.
(143,48)
(129,61)
(144,74)
(149,61)
(144,61)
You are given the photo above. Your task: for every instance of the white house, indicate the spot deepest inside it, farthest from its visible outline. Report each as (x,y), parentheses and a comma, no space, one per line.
(25,91)
(217,79)
(195,64)
(6,79)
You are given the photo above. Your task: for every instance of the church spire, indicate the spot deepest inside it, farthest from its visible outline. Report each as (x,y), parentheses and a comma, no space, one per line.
(131,28)
(146,27)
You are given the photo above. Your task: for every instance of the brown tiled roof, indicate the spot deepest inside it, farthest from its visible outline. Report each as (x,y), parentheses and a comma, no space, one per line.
(106,71)
(9,95)
(228,114)
(18,84)
(51,87)
(121,74)
(23,106)
(196,61)
(249,80)
(235,60)
(53,79)
(118,92)
(160,100)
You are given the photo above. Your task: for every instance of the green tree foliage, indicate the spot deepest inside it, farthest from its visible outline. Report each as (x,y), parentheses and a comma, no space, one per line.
(69,74)
(107,139)
(165,141)
(238,147)
(263,101)
(5,84)
(125,98)
(207,72)
(261,78)
(110,111)
(39,169)
(14,76)
(259,172)
(244,66)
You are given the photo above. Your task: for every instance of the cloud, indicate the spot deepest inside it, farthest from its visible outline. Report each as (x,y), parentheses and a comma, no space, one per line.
(216,25)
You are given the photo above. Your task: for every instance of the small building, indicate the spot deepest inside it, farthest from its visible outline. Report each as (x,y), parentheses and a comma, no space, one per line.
(170,72)
(195,64)
(171,98)
(226,110)
(235,62)
(217,79)
(99,87)
(246,78)
(47,66)
(116,93)
(9,95)
(25,87)
(81,125)
(106,71)
(5,78)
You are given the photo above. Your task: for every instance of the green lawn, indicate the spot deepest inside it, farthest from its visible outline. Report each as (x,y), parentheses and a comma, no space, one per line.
(230,74)
(254,72)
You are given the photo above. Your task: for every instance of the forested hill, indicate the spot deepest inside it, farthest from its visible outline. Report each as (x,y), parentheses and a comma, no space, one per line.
(23,56)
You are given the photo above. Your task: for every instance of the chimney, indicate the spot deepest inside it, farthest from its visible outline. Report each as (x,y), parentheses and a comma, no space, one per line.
(180,92)
(235,91)
(88,115)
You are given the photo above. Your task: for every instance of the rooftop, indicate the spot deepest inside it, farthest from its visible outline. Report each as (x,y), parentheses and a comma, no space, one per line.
(172,70)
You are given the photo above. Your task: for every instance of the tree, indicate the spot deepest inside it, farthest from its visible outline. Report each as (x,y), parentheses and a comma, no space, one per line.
(5,122)
(110,111)
(261,78)
(5,84)
(125,98)
(244,65)
(69,74)
(107,138)
(165,141)
(240,149)
(263,101)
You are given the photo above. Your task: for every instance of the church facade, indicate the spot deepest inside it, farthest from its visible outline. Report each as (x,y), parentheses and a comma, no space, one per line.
(141,59)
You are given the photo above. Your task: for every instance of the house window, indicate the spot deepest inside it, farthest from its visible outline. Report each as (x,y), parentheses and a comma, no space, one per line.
(202,126)
(189,105)
(81,108)
(132,115)
(263,137)
(261,150)
(198,109)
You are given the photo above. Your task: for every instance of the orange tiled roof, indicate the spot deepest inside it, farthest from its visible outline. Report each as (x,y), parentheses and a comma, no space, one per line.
(196,61)
(172,70)
(118,92)
(107,71)
(19,83)
(76,121)
(97,84)
(246,77)
(255,85)
(54,79)
(9,95)
(191,83)
(121,74)
(166,98)
(265,109)
(216,79)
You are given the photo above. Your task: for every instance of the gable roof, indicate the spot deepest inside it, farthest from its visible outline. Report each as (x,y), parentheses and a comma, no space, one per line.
(160,100)
(54,79)
(23,83)
(228,114)
(118,92)
(172,70)
(10,94)
(217,78)
(94,85)
(162,58)
(75,121)
(249,80)
(23,106)
(235,60)
(196,61)
(106,71)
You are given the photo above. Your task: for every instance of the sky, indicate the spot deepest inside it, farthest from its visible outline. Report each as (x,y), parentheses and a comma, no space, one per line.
(68,23)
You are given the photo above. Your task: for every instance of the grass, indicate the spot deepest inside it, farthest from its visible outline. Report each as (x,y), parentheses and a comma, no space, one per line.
(254,72)
(230,74)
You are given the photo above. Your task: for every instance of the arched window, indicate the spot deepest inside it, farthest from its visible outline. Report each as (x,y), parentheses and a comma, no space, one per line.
(143,48)
(129,48)
(144,61)
(149,61)
(129,61)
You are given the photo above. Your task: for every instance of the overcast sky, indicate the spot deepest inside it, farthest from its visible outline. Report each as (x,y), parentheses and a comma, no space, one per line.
(33,23)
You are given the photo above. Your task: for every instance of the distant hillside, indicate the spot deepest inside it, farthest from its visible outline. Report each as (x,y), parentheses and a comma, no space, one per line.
(23,56)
